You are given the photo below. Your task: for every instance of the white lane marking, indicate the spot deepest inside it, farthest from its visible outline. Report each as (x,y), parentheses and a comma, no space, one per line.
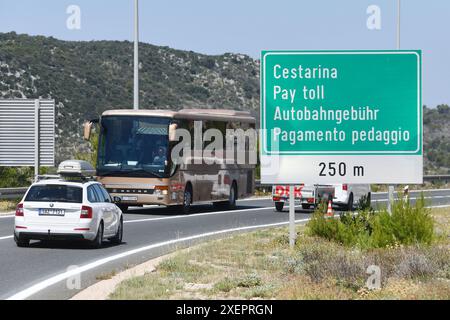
(198,214)
(255,199)
(190,216)
(62,276)
(7,237)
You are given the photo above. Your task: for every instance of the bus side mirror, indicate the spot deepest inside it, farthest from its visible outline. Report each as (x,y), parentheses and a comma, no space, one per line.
(172,132)
(87,127)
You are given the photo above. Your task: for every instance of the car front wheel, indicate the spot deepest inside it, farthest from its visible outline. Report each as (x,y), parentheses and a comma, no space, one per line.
(350,203)
(117,239)
(98,241)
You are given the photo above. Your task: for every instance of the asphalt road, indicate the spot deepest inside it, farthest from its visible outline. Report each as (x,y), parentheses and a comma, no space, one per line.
(47,271)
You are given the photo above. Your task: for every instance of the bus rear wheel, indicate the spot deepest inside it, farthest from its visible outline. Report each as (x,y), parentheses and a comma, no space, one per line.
(233,196)
(187,200)
(231,202)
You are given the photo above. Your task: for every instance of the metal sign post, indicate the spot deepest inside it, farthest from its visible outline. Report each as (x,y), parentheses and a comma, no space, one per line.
(392,187)
(292,233)
(136,56)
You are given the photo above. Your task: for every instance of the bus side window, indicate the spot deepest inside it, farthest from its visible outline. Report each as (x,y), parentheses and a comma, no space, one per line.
(191,132)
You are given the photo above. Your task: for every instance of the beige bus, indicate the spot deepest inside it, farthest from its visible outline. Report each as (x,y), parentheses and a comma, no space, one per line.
(134,159)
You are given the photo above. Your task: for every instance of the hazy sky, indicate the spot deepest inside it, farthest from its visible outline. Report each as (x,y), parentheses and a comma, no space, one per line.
(249,26)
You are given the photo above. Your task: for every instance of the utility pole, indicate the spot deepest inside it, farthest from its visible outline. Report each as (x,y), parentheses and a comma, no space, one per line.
(398,24)
(391,187)
(136,56)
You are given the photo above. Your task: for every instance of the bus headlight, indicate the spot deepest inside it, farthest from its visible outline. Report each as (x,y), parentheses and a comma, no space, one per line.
(161,190)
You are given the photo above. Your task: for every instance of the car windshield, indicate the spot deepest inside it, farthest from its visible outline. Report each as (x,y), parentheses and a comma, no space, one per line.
(133,146)
(55,193)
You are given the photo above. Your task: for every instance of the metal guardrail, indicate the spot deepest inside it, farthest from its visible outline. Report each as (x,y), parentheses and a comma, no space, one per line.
(12,193)
(443,178)
(438,177)
(15,193)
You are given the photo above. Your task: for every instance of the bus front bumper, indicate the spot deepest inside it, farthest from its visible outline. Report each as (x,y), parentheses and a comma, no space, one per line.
(141,199)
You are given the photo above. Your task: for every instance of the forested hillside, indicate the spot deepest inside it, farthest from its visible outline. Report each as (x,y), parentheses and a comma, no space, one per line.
(86,78)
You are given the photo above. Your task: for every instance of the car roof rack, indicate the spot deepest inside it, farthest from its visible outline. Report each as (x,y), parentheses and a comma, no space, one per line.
(47,177)
(76,171)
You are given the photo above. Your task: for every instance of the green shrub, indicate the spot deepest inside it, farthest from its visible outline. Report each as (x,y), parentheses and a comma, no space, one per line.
(225,285)
(249,280)
(408,224)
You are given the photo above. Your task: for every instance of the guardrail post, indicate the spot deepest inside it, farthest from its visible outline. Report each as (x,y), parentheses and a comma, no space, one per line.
(292,234)
(390,198)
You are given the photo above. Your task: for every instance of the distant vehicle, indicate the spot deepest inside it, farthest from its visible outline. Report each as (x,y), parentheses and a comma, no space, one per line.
(134,159)
(344,196)
(72,207)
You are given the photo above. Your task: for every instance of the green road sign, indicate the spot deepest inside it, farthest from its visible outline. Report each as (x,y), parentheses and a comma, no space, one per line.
(354,103)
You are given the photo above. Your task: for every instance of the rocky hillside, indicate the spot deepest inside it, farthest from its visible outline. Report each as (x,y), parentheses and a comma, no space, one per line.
(86,78)
(436,139)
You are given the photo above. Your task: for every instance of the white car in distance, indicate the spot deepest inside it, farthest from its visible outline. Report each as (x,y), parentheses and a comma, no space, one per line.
(345,196)
(73,207)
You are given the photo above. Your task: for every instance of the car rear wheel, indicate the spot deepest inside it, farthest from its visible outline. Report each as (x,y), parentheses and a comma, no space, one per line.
(117,239)
(279,206)
(306,206)
(349,206)
(98,241)
(21,242)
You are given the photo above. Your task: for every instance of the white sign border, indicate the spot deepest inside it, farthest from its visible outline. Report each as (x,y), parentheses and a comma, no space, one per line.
(419,97)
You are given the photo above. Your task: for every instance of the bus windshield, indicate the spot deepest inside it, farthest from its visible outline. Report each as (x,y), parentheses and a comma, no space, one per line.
(133,146)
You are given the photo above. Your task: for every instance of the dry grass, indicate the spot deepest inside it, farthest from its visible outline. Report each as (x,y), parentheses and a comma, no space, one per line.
(106,276)
(8,205)
(260,265)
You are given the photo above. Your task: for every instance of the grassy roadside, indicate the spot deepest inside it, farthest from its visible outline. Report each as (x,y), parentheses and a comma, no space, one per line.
(412,187)
(260,265)
(8,205)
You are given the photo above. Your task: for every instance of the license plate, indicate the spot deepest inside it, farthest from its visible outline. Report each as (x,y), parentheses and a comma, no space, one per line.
(129,198)
(52,212)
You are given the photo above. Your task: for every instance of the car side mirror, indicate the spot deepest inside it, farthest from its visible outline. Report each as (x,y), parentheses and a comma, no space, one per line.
(117,199)
(87,128)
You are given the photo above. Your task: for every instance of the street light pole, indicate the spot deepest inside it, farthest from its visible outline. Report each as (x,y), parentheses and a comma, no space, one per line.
(391,187)
(136,56)
(398,24)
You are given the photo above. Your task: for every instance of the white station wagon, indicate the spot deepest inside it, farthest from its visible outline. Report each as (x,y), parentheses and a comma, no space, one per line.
(69,208)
